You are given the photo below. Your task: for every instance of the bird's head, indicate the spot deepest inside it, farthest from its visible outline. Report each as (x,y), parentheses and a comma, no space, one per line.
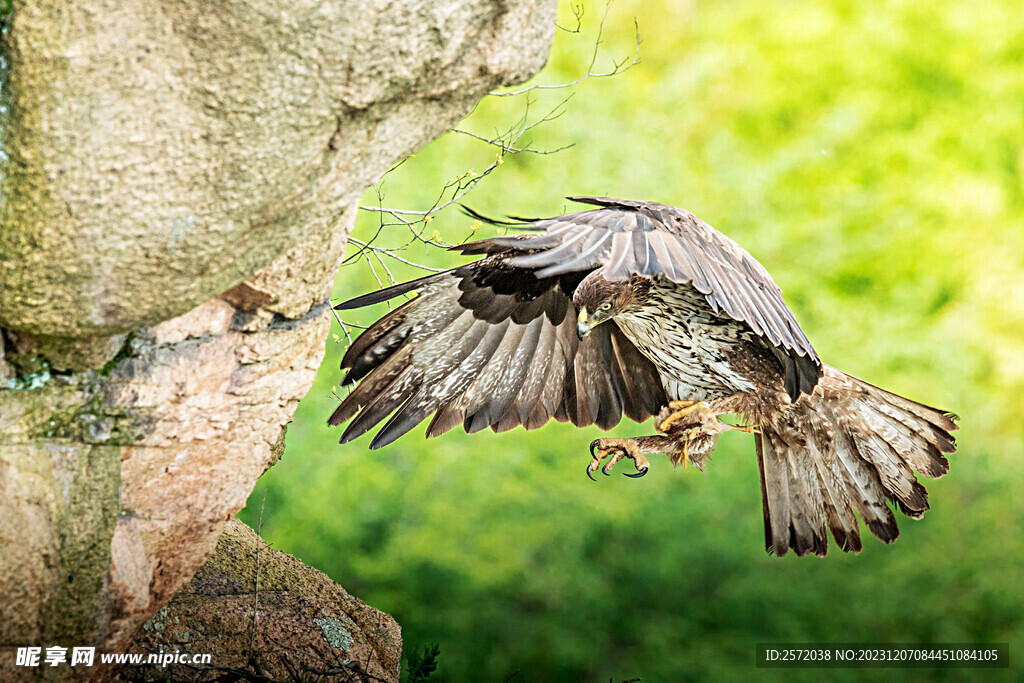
(598,300)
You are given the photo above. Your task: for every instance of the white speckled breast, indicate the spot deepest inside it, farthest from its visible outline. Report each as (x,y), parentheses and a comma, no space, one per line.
(688,342)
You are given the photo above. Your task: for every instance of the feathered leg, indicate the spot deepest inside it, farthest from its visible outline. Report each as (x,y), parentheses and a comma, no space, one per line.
(695,427)
(688,432)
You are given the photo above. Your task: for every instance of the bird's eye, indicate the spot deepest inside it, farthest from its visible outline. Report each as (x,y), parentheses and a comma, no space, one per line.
(606,306)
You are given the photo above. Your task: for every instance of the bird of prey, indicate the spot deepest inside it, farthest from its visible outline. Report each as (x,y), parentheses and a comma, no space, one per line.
(642,309)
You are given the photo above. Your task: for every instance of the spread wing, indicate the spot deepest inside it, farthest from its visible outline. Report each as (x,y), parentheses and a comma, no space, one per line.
(627,238)
(490,345)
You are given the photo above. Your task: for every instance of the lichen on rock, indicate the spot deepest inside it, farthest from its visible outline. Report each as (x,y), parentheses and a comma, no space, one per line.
(298,619)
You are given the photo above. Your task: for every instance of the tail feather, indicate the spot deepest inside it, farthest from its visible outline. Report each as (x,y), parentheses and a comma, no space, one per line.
(839,507)
(865,489)
(849,447)
(897,477)
(775,484)
(809,523)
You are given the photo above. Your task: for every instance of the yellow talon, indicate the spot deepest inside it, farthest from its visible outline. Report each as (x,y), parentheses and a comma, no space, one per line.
(748,429)
(682,409)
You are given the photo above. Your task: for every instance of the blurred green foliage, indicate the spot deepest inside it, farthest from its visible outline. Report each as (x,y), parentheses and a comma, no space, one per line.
(871,156)
(420,664)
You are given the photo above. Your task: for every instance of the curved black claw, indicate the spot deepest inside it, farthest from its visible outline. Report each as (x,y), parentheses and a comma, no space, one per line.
(589,474)
(639,474)
(604,470)
(593,445)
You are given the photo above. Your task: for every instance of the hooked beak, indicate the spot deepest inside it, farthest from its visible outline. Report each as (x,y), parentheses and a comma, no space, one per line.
(582,324)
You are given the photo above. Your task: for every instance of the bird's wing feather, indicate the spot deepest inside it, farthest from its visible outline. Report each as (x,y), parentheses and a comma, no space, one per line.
(490,345)
(626,238)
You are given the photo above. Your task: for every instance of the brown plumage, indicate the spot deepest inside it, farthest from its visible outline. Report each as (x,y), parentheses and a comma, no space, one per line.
(624,310)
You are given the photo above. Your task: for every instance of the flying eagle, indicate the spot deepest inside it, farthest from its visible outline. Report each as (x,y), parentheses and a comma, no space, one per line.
(642,309)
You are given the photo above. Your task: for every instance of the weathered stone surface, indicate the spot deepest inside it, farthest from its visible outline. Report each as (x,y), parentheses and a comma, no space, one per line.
(114,489)
(297,279)
(297,618)
(63,353)
(180,183)
(216,404)
(162,152)
(6,370)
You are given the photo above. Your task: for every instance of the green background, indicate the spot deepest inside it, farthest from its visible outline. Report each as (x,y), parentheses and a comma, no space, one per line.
(871,156)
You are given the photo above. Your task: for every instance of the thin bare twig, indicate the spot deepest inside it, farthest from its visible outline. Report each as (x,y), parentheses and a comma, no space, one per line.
(391,254)
(499,142)
(458,188)
(391,277)
(256,582)
(617,67)
(577,12)
(375,276)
